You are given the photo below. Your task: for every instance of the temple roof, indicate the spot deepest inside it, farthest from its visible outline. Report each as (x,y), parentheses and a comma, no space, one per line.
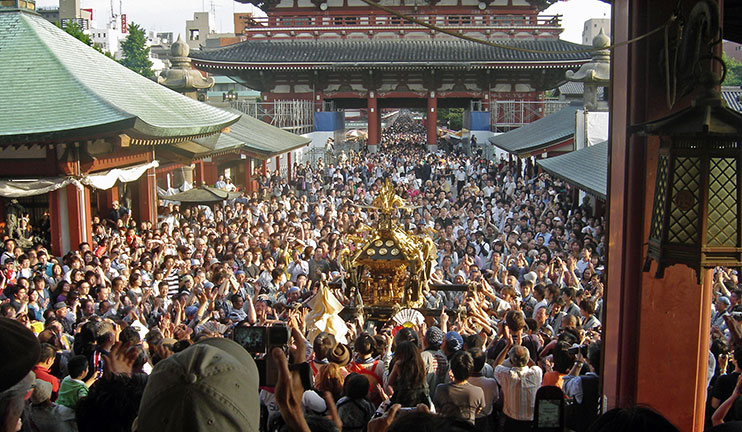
(538,135)
(365,53)
(586,168)
(56,88)
(256,137)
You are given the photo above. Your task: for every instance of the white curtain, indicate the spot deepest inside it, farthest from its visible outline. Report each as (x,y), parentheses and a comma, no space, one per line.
(102,181)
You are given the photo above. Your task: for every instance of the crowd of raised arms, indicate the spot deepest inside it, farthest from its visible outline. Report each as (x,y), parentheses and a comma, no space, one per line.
(134,331)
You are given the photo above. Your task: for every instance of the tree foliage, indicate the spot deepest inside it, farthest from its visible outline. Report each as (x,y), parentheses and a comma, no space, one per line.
(73,28)
(452,117)
(136,52)
(734,72)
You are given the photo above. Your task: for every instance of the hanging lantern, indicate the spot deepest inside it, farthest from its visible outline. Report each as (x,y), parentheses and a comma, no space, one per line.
(696,212)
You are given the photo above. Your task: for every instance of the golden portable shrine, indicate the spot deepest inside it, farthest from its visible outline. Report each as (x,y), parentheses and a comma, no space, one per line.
(388,266)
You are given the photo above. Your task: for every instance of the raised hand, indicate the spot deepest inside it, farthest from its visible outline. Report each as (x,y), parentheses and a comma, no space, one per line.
(288,399)
(120,360)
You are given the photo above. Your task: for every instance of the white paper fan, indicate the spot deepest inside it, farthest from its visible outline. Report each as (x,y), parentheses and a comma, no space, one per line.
(408,318)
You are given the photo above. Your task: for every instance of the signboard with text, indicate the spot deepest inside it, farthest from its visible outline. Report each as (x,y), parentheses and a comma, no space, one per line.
(124,26)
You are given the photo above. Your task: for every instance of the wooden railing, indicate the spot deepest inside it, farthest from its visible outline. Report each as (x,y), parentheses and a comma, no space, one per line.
(380,22)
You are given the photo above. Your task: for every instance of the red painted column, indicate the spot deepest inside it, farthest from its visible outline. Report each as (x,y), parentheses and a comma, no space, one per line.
(78,216)
(288,166)
(198,173)
(148,197)
(373,123)
(265,166)
(210,173)
(647,319)
(55,217)
(432,122)
(248,175)
(105,199)
(278,164)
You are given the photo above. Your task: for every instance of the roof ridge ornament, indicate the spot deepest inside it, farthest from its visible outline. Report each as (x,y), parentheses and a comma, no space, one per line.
(595,73)
(181,76)
(15,5)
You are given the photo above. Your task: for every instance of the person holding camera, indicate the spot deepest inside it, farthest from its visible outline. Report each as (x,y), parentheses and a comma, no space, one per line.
(519,383)
(583,384)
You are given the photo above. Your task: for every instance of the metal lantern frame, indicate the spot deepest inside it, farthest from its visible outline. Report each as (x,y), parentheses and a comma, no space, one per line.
(696,216)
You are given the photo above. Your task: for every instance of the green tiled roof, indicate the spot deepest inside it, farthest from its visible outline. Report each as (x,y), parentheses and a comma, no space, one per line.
(586,168)
(56,88)
(540,134)
(258,137)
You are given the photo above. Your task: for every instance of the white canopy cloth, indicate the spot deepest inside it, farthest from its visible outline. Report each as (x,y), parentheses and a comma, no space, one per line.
(102,181)
(324,316)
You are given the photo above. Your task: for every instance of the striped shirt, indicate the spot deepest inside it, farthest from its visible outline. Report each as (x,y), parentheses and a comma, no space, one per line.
(173,281)
(519,386)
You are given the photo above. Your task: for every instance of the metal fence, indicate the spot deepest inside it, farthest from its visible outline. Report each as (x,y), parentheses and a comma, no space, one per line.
(507,115)
(295,116)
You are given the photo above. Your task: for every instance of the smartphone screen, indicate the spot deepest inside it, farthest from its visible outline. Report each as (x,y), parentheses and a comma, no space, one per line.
(548,413)
(251,338)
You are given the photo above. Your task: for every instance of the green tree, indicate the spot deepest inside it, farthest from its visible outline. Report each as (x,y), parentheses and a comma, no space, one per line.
(74,29)
(453,117)
(136,52)
(734,72)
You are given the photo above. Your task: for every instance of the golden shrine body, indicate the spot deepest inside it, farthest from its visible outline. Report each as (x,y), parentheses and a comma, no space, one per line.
(389,266)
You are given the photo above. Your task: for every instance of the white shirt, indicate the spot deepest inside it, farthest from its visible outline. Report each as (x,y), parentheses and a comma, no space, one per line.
(519,386)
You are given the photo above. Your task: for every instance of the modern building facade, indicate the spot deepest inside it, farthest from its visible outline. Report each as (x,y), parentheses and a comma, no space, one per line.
(592,28)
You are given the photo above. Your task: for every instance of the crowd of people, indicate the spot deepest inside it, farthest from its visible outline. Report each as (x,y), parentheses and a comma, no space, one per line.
(136,330)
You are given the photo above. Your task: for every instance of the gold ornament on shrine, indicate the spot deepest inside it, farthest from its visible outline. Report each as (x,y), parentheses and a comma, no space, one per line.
(388,265)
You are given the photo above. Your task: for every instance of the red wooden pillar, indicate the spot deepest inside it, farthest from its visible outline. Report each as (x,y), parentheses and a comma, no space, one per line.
(655,331)
(105,199)
(373,123)
(278,164)
(288,166)
(148,197)
(265,166)
(55,216)
(198,173)
(210,173)
(76,211)
(248,175)
(432,122)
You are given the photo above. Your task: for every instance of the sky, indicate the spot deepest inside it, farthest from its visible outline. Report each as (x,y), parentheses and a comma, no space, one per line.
(171,15)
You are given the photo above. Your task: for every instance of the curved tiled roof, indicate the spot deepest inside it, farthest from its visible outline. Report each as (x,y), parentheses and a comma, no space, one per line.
(541,133)
(389,51)
(57,88)
(586,168)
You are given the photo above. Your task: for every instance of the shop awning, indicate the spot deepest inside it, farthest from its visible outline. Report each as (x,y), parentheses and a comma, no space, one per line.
(541,134)
(586,168)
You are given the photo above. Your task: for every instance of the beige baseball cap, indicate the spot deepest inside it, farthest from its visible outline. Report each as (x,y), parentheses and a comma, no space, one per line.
(211,385)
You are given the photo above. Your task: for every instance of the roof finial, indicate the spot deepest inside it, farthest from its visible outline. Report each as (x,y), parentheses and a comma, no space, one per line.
(24,5)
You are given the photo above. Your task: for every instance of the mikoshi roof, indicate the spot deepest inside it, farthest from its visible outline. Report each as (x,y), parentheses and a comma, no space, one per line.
(541,133)
(202,195)
(256,137)
(364,53)
(56,88)
(586,168)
